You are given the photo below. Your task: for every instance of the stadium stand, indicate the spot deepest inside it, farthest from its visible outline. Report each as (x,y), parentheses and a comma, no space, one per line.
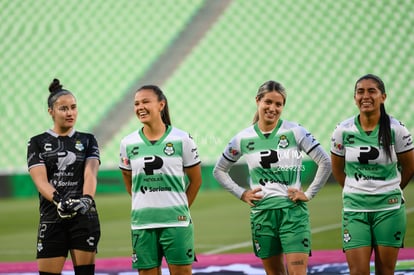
(102,49)
(97,49)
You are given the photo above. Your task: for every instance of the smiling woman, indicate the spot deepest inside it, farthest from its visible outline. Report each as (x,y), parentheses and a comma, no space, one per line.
(373,160)
(161,170)
(272,148)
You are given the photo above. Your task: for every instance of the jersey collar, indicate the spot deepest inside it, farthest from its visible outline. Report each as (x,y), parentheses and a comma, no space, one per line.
(53,133)
(148,142)
(359,127)
(272,134)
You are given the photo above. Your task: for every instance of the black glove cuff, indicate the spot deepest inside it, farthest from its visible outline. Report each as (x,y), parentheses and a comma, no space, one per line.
(56,198)
(87,196)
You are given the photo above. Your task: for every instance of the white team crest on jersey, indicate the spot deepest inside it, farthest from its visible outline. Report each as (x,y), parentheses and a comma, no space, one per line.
(257,245)
(169,149)
(39,246)
(283,141)
(347,236)
(134,257)
(79,146)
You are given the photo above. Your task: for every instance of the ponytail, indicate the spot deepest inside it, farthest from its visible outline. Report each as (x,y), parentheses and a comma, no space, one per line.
(384,134)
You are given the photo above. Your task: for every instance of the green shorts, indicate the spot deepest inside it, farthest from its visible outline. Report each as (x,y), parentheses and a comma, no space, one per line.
(385,228)
(277,231)
(151,245)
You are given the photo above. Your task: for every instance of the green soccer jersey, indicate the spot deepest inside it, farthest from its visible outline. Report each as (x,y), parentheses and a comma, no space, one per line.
(372,181)
(274,160)
(158,178)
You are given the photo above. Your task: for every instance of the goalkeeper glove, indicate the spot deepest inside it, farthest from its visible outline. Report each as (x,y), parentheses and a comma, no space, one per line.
(82,205)
(64,208)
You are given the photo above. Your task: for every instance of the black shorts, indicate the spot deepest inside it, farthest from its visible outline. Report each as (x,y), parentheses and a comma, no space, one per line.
(55,239)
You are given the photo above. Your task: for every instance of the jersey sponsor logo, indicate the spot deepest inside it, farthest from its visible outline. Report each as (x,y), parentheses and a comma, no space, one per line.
(232,151)
(268,157)
(182,218)
(359,177)
(153,178)
(367,153)
(195,152)
(409,140)
(393,201)
(65,159)
(263,182)
(64,183)
(144,189)
(169,149)
(336,145)
(125,161)
(63,174)
(310,135)
(152,163)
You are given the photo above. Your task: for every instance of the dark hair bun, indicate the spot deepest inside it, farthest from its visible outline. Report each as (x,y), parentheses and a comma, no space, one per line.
(55,86)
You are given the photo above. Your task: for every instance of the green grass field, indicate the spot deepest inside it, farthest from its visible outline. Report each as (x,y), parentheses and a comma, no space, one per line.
(221,224)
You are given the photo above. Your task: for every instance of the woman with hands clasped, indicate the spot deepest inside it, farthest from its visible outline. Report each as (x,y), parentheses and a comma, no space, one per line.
(273,148)
(63,164)
(373,160)
(161,170)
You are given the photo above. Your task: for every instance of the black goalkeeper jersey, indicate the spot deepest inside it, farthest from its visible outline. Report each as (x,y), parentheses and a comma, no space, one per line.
(64,158)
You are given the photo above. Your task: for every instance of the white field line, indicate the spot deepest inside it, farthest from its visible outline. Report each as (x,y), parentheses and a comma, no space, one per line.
(314,231)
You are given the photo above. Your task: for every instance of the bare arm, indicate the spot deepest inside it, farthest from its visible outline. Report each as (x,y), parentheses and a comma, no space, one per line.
(127,177)
(338,169)
(90,177)
(406,161)
(39,177)
(194,176)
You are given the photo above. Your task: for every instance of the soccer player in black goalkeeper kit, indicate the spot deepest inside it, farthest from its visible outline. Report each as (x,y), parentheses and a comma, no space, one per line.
(63,164)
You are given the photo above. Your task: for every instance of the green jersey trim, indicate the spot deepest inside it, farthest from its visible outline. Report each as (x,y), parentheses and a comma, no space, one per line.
(272,134)
(274,202)
(160,217)
(364,133)
(148,142)
(357,202)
